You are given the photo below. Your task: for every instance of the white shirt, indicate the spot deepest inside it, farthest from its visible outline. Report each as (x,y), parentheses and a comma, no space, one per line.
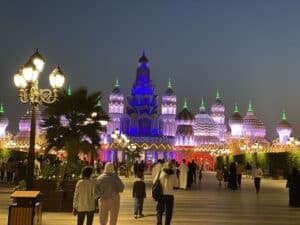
(168,182)
(84,196)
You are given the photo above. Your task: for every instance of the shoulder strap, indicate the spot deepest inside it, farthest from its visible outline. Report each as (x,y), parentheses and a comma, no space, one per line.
(158,176)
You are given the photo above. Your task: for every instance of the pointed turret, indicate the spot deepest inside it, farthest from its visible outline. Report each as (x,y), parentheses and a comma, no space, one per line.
(218,97)
(236,123)
(143,58)
(184,132)
(169,91)
(253,127)
(284,129)
(250,108)
(115,107)
(218,115)
(168,110)
(202,106)
(69,90)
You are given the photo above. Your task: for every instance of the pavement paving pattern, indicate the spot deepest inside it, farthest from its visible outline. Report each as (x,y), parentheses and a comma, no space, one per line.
(205,204)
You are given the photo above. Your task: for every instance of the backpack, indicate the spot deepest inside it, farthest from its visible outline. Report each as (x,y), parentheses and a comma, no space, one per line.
(157,191)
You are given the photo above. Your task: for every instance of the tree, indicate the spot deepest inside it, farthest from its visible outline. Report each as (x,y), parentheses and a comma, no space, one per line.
(73,122)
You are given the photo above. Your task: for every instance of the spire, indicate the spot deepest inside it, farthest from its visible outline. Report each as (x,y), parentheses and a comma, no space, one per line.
(185,104)
(69,91)
(218,97)
(1,108)
(202,105)
(283,116)
(143,58)
(236,108)
(169,83)
(99,104)
(117,84)
(250,109)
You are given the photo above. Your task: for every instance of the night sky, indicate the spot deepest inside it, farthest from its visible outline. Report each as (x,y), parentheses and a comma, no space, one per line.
(246,49)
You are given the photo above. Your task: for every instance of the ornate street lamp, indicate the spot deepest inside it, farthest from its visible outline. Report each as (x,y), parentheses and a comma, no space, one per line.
(26,80)
(120,141)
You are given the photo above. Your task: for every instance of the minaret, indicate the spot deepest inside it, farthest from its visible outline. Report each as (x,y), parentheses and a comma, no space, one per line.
(218,115)
(236,123)
(185,132)
(284,129)
(168,111)
(115,108)
(3,122)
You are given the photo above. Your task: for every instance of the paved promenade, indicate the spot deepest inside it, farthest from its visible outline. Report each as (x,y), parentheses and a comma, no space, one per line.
(205,204)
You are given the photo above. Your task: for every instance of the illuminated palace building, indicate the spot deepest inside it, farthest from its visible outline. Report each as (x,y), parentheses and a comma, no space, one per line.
(161,132)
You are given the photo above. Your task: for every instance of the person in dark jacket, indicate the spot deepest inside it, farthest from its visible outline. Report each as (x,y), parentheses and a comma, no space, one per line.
(232,184)
(293,183)
(139,193)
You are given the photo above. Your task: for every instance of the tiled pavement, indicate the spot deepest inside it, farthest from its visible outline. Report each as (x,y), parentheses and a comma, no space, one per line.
(205,204)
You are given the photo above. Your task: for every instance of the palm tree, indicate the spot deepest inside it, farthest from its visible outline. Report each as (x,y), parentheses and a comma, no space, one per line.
(73,123)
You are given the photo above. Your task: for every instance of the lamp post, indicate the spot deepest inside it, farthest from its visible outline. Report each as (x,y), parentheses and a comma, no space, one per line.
(120,141)
(26,80)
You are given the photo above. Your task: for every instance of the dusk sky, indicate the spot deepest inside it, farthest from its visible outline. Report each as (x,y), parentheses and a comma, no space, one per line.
(246,49)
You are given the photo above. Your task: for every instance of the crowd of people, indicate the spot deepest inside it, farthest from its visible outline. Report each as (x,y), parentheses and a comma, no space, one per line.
(103,192)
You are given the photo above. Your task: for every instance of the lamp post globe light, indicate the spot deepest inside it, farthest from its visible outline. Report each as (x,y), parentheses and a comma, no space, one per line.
(120,141)
(26,80)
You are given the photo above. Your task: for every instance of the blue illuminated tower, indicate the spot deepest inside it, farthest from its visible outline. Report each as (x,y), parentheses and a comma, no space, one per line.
(142,115)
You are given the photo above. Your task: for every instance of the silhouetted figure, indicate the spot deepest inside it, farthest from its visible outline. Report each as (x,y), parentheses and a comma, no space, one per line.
(194,170)
(293,184)
(232,184)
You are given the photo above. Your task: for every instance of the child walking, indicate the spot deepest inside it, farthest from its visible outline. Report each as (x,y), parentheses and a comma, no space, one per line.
(139,193)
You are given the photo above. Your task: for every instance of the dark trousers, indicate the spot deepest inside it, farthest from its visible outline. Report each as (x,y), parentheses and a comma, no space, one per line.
(239,180)
(166,203)
(257,183)
(89,218)
(138,206)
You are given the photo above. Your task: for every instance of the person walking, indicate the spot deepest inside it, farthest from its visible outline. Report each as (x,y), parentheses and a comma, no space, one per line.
(183,175)
(2,171)
(225,176)
(139,193)
(157,168)
(232,184)
(239,171)
(293,183)
(84,198)
(166,203)
(257,174)
(108,187)
(219,176)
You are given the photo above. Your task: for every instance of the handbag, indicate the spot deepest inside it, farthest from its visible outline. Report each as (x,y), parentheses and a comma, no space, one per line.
(157,191)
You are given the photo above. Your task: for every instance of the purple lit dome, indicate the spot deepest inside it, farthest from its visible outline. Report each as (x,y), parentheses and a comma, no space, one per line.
(185,130)
(218,107)
(185,115)
(204,125)
(3,120)
(283,124)
(252,126)
(25,121)
(235,118)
